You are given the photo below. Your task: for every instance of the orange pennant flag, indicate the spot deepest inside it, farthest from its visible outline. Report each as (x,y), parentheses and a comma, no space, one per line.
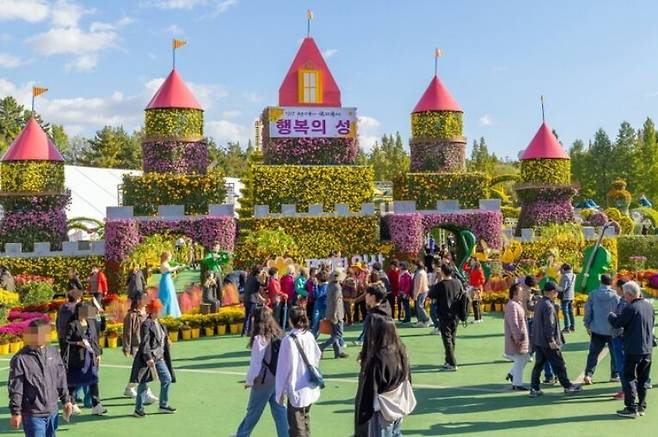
(178,43)
(37,91)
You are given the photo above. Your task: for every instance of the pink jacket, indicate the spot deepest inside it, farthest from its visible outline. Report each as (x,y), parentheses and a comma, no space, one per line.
(406,284)
(516,329)
(288,286)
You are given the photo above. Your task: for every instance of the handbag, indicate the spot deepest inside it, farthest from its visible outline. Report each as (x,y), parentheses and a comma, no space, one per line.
(314,374)
(397,403)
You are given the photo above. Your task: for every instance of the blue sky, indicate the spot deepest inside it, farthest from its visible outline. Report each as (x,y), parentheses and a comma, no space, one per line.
(594,61)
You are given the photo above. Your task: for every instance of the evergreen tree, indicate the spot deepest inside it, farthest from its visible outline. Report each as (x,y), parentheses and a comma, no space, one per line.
(580,171)
(623,154)
(247,201)
(113,147)
(481,160)
(602,162)
(60,139)
(647,161)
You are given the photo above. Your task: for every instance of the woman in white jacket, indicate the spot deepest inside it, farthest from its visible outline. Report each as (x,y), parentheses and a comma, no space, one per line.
(264,343)
(292,376)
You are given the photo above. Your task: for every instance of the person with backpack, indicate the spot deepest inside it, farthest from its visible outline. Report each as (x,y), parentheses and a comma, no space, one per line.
(450,297)
(297,376)
(384,395)
(265,343)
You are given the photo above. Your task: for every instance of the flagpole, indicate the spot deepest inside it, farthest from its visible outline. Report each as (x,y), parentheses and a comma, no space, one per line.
(543,118)
(308,27)
(173,55)
(32,103)
(436,65)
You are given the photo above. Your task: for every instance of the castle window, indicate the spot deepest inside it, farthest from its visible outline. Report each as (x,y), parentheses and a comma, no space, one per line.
(310,86)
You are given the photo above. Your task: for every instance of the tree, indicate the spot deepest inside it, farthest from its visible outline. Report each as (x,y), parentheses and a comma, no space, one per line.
(78,148)
(231,159)
(481,160)
(624,152)
(581,173)
(647,161)
(388,158)
(60,139)
(246,209)
(602,162)
(113,147)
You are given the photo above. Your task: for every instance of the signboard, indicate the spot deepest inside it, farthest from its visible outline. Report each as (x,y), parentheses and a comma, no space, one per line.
(312,122)
(343,262)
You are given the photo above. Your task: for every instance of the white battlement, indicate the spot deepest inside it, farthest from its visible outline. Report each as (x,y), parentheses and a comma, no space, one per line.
(527,234)
(168,212)
(445,206)
(69,249)
(314,210)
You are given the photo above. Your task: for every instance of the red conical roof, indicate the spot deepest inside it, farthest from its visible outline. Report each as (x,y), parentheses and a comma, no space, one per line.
(32,144)
(437,98)
(309,57)
(173,93)
(544,146)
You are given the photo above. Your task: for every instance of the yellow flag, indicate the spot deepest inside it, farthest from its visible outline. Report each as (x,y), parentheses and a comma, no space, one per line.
(309,14)
(438,53)
(37,91)
(178,43)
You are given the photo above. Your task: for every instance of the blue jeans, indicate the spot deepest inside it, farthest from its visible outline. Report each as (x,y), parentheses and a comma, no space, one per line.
(336,339)
(40,426)
(407,310)
(165,382)
(618,356)
(548,370)
(258,398)
(434,313)
(319,308)
(421,315)
(378,427)
(567,312)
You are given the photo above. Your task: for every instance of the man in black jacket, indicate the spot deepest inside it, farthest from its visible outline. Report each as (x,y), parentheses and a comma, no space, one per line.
(547,341)
(446,293)
(637,319)
(37,380)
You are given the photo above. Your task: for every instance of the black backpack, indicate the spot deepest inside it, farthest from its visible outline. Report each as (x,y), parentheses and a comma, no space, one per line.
(461,306)
(268,368)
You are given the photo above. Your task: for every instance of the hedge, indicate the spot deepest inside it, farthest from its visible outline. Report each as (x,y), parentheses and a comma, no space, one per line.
(56,267)
(317,237)
(432,124)
(427,188)
(638,245)
(546,171)
(32,176)
(275,185)
(569,252)
(195,192)
(173,124)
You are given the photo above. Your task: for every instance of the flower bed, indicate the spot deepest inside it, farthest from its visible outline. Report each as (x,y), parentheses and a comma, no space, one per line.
(32,176)
(316,237)
(310,151)
(427,188)
(173,123)
(175,156)
(540,213)
(569,251)
(406,230)
(546,171)
(632,245)
(56,267)
(145,193)
(26,227)
(443,156)
(304,185)
(432,124)
(37,202)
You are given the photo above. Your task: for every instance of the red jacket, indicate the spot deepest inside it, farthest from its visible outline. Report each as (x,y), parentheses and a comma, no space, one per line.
(406,284)
(394,279)
(101,279)
(274,291)
(475,276)
(288,286)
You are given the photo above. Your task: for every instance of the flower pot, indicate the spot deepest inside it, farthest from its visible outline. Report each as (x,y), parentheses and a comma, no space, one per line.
(186,334)
(209,331)
(173,336)
(236,328)
(4,349)
(484,307)
(112,342)
(499,307)
(101,340)
(196,332)
(14,347)
(221,329)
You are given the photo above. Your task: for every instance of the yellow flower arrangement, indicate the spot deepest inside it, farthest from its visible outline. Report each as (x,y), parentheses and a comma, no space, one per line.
(56,267)
(546,171)
(8,298)
(432,124)
(569,251)
(427,188)
(32,176)
(173,123)
(196,192)
(303,185)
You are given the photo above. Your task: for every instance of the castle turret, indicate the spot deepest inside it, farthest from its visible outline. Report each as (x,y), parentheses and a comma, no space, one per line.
(33,194)
(545,190)
(437,142)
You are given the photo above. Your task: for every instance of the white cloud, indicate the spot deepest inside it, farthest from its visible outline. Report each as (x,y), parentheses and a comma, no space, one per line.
(486,120)
(206,94)
(369,132)
(225,5)
(31,11)
(83,63)
(219,6)
(223,131)
(329,53)
(175,29)
(232,113)
(67,14)
(9,61)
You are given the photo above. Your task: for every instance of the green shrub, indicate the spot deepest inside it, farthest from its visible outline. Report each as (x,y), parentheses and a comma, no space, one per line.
(638,245)
(35,293)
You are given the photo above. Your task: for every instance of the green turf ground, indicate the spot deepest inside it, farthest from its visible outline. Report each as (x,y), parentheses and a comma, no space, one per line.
(475,400)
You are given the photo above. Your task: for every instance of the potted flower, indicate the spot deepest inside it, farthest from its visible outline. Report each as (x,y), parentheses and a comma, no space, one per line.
(209,321)
(186,331)
(4,344)
(112,334)
(195,322)
(173,326)
(235,320)
(14,343)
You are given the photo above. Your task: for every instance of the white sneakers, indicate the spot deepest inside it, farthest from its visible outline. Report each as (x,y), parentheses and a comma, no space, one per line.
(76,410)
(130,392)
(99,410)
(150,398)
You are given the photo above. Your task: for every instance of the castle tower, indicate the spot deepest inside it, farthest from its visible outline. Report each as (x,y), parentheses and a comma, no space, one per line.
(437,143)
(309,126)
(545,190)
(33,194)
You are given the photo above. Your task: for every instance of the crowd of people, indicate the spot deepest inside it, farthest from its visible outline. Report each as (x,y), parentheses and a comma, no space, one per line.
(285,313)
